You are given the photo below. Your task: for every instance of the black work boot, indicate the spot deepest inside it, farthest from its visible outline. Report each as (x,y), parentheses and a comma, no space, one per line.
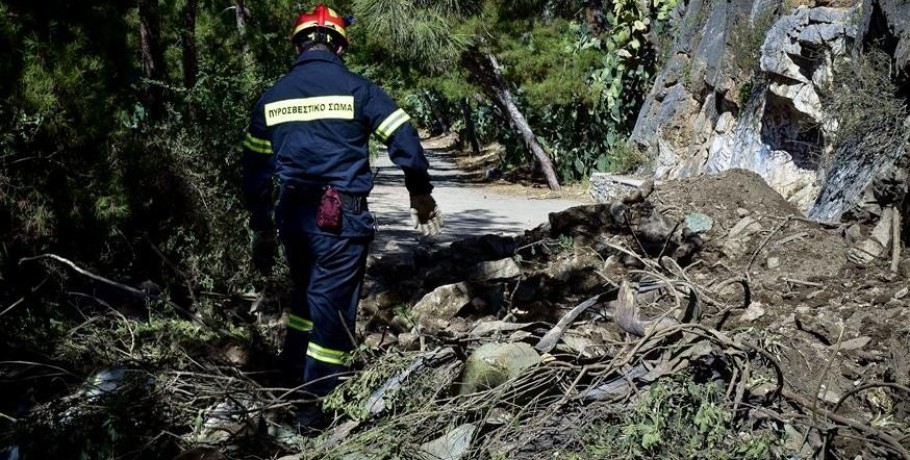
(292,359)
(311,421)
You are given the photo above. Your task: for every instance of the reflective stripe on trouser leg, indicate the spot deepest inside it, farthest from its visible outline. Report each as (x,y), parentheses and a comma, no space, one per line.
(299,323)
(333,295)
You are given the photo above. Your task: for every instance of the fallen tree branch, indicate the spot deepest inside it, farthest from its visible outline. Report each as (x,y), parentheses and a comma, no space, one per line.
(801,282)
(790,238)
(14,305)
(136,292)
(549,340)
(892,443)
(764,243)
(896,240)
(868,386)
(34,364)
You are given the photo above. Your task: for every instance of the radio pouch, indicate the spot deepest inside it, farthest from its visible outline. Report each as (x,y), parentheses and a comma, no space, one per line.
(328,217)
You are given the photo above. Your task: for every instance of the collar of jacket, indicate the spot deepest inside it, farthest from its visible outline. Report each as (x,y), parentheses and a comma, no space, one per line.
(318,55)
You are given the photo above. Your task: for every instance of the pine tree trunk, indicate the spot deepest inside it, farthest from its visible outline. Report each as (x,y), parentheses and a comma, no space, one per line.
(469,126)
(594,13)
(243,16)
(190,58)
(440,120)
(518,119)
(153,64)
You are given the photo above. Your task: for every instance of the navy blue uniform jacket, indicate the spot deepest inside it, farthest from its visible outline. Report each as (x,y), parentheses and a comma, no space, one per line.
(312,130)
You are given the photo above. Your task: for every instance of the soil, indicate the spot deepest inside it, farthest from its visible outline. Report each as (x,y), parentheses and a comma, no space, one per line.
(830,325)
(814,300)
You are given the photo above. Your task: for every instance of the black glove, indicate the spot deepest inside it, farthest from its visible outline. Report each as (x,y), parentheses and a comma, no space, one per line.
(425,215)
(263,249)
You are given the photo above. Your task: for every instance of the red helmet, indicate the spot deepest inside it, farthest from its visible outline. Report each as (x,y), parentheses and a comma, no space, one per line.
(322,17)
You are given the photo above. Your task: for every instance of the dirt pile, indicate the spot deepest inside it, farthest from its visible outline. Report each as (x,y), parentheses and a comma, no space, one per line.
(716,278)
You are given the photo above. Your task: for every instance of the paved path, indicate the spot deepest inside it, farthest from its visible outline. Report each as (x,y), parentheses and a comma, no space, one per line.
(470,209)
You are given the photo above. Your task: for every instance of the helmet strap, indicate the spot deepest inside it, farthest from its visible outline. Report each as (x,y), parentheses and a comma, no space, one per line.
(318,37)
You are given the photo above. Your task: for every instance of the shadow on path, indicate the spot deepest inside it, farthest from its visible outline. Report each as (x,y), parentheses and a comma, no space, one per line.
(469,208)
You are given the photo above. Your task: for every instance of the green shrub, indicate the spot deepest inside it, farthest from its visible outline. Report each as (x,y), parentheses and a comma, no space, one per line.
(678,418)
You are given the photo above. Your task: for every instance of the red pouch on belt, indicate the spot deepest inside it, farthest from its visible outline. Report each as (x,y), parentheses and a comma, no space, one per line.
(328,217)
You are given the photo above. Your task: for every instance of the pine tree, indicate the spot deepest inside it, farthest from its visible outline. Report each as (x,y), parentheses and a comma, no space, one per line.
(429,36)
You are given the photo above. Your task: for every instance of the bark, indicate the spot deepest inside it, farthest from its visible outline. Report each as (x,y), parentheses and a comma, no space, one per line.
(243,17)
(441,125)
(190,56)
(469,127)
(518,120)
(153,64)
(594,14)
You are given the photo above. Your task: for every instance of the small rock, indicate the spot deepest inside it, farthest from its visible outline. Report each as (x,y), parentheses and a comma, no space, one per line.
(853,234)
(901,293)
(401,324)
(699,222)
(442,304)
(773,263)
(657,228)
(882,231)
(615,261)
(814,294)
(733,248)
(494,363)
(850,370)
(409,341)
(392,246)
(227,420)
(855,344)
(742,212)
(454,445)
(632,262)
(499,269)
(379,340)
(745,227)
(829,395)
(388,299)
(754,312)
(608,188)
(865,251)
(795,442)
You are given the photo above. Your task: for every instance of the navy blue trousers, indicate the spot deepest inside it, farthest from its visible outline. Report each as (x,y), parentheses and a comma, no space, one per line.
(327,273)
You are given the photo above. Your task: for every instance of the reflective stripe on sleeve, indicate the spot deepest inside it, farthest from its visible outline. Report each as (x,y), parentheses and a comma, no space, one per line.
(326,355)
(257,145)
(299,323)
(391,124)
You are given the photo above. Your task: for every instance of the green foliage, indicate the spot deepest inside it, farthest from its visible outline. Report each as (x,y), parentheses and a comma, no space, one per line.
(677,419)
(584,123)
(580,92)
(864,99)
(869,109)
(351,397)
(418,32)
(747,39)
(125,423)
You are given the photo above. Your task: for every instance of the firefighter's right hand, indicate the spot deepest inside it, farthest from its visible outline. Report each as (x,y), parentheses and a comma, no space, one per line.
(264,248)
(425,215)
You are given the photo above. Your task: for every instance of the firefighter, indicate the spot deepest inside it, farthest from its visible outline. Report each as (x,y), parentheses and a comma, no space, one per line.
(311,130)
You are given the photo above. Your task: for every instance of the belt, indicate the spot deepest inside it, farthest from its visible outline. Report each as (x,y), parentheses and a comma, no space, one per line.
(351,202)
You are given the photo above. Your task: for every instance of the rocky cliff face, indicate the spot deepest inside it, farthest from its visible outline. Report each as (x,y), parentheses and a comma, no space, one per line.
(748,85)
